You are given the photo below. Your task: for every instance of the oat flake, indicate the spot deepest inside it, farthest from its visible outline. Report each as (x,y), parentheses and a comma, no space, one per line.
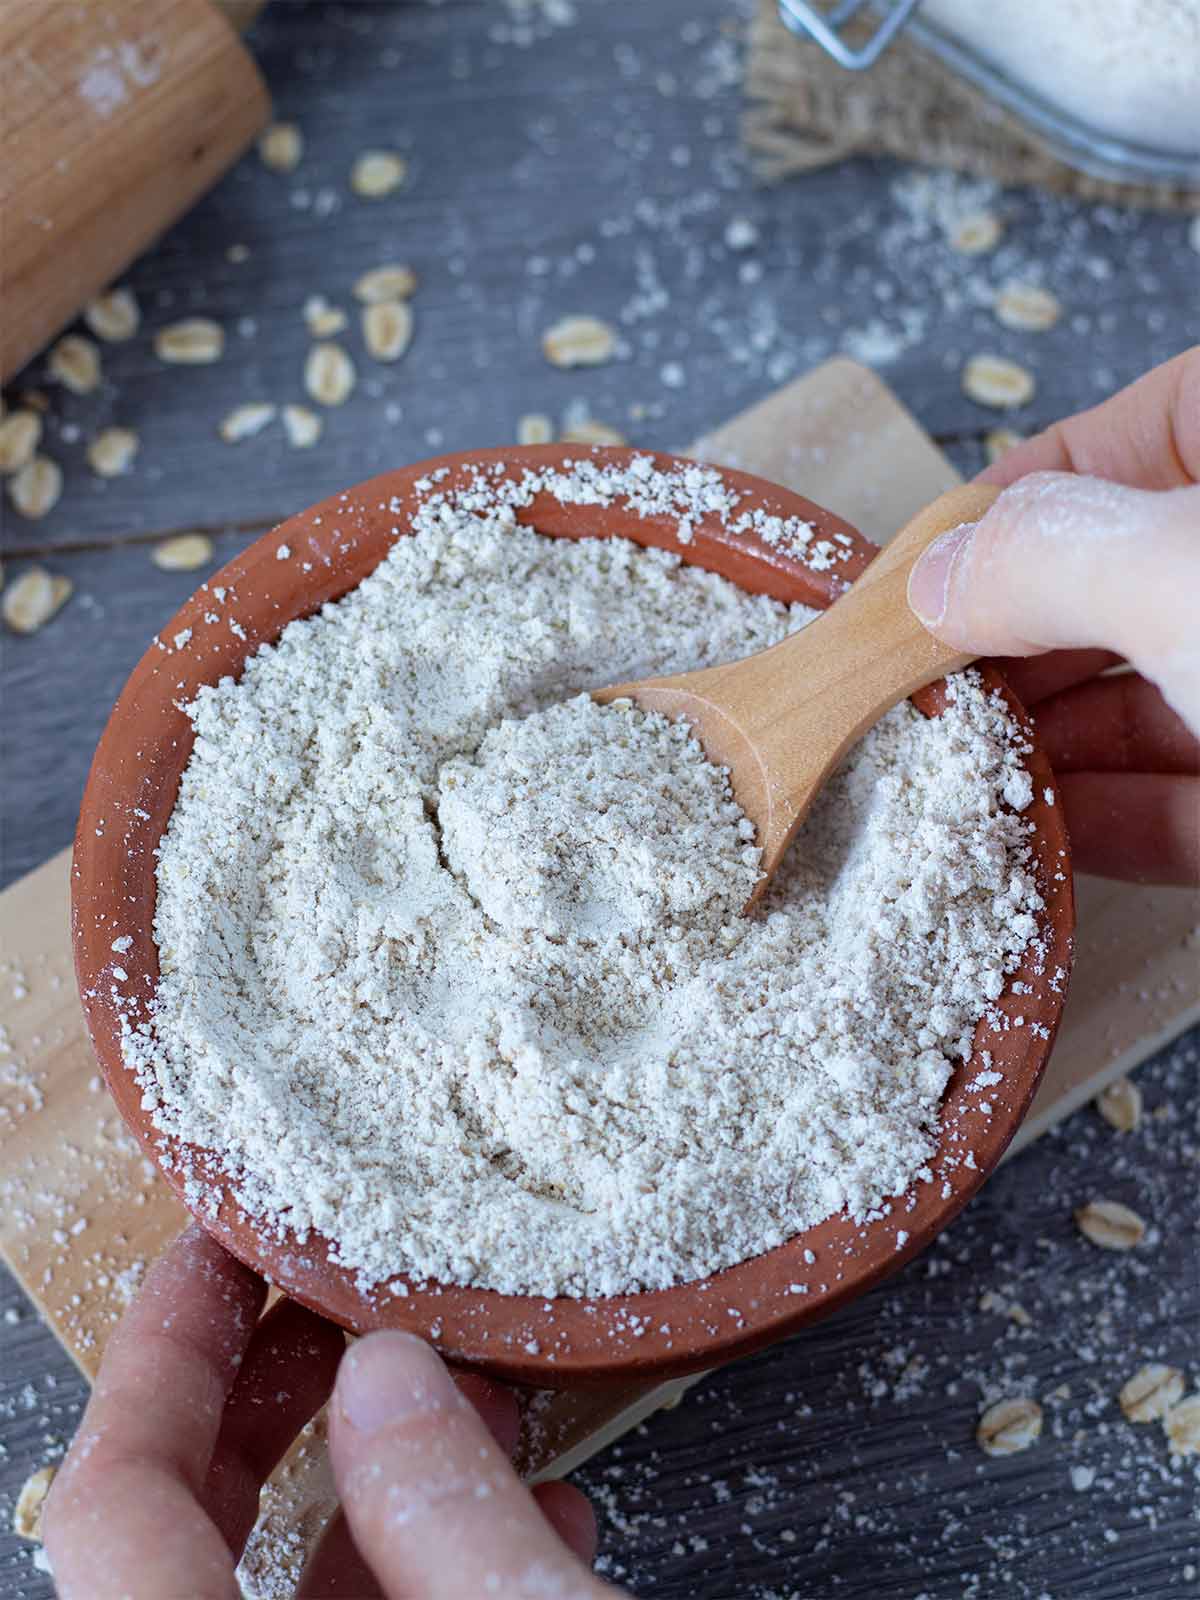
(30,602)
(520,917)
(1110,1225)
(1120,1104)
(1008,1427)
(535,428)
(27,1513)
(976,233)
(579,342)
(281,147)
(1182,1427)
(322,319)
(244,421)
(998,382)
(75,363)
(385,283)
(195,341)
(1027,307)
(999,441)
(36,488)
(387,329)
(184,553)
(112,451)
(329,374)
(589,431)
(113,317)
(302,426)
(377,173)
(1151,1392)
(20,435)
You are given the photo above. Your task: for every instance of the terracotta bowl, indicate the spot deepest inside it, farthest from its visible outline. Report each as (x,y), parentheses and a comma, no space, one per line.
(549,1343)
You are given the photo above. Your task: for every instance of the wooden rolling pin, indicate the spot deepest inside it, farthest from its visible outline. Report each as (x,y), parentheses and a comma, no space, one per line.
(115,118)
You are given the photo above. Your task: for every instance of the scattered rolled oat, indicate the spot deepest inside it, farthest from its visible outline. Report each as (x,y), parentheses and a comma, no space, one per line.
(112,451)
(976,234)
(184,553)
(244,421)
(385,283)
(1000,441)
(27,1513)
(535,428)
(329,374)
(1182,1426)
(1025,306)
(1110,1225)
(75,363)
(1121,1105)
(237,254)
(36,487)
(190,343)
(1151,1392)
(303,427)
(1008,1427)
(995,381)
(114,316)
(387,329)
(579,341)
(589,431)
(322,319)
(30,602)
(281,146)
(377,173)
(19,437)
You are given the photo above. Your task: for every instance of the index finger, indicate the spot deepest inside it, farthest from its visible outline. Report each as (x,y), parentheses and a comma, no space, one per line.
(432,1501)
(1146,435)
(124,1511)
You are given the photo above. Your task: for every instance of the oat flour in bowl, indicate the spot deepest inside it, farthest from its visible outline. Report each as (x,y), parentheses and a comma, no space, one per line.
(451,963)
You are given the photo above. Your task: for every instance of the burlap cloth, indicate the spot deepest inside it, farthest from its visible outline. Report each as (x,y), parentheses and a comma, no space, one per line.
(807,112)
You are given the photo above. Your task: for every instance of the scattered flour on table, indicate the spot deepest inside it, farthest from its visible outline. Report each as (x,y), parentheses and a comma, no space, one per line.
(452,966)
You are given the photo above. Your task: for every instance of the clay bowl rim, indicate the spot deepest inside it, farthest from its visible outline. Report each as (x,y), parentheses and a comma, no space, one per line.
(531,1340)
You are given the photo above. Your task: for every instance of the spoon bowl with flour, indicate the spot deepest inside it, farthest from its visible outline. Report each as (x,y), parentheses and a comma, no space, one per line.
(782,719)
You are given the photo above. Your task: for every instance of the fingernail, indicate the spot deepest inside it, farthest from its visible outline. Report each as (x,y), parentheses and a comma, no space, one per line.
(929,580)
(386,1377)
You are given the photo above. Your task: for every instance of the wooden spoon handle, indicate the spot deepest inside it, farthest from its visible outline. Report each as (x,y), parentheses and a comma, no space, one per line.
(885,651)
(837,677)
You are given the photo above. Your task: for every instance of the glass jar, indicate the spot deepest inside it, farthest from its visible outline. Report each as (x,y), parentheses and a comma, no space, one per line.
(1110,86)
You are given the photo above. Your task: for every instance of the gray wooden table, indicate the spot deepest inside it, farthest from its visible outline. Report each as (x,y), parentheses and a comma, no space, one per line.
(586,158)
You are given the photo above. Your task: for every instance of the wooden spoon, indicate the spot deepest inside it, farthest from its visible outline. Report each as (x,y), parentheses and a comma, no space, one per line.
(781,720)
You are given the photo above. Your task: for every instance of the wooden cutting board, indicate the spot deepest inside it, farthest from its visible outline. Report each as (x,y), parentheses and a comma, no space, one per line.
(83,1212)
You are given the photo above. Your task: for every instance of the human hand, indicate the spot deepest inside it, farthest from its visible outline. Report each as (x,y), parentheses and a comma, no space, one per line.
(1089,557)
(196,1401)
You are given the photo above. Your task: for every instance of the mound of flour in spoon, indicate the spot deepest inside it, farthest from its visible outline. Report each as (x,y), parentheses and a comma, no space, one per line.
(452,966)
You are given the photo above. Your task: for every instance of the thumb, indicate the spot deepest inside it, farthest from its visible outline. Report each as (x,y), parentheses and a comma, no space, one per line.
(432,1501)
(1062,561)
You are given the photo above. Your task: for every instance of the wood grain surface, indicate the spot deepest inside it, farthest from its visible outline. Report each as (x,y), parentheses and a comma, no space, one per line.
(595,168)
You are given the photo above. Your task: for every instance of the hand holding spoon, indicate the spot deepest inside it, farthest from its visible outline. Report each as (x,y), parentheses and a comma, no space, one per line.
(782,719)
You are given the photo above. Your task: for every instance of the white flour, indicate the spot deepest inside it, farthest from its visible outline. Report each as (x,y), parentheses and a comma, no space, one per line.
(454,973)
(1130,68)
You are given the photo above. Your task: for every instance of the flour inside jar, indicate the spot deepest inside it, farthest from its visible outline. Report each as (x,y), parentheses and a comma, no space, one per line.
(453,970)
